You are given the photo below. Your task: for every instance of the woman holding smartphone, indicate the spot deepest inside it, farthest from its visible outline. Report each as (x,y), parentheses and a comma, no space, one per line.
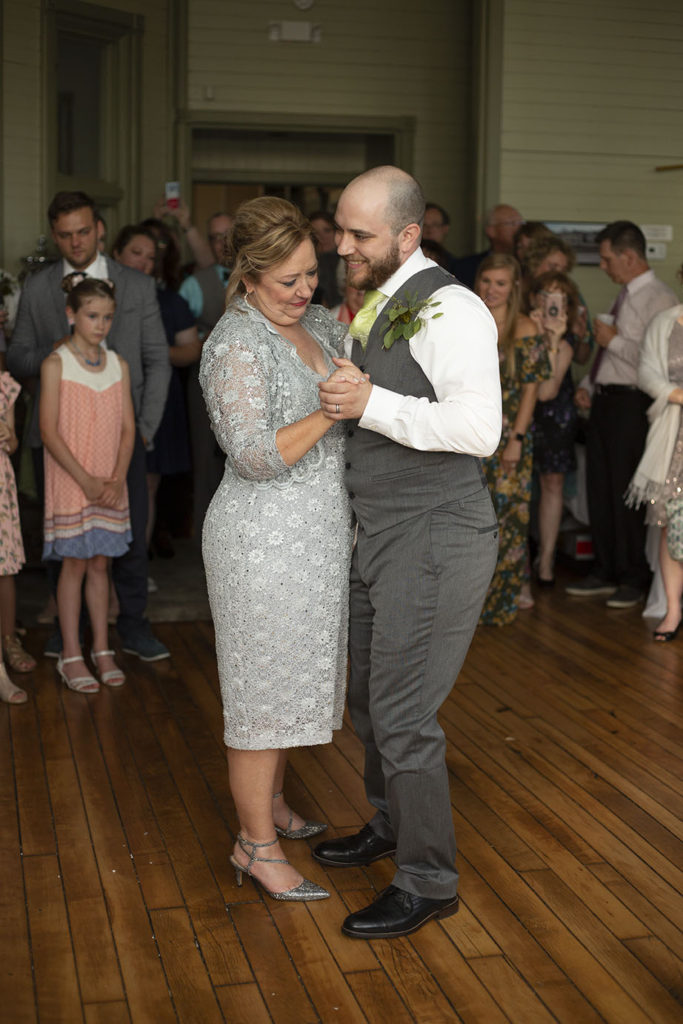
(554,301)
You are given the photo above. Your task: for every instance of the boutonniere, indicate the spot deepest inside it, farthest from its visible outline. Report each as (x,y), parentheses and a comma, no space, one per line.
(405,319)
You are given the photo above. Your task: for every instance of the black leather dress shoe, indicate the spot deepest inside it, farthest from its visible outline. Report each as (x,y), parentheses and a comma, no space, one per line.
(395,913)
(354,851)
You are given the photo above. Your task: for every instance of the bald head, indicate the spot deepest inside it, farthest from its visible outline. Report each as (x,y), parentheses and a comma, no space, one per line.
(397,193)
(377,224)
(501,224)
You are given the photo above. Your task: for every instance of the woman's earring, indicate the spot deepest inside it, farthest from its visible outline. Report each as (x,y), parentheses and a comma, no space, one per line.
(71,329)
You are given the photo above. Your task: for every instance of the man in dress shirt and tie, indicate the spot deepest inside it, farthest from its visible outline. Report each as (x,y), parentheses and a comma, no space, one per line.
(617,427)
(427,536)
(137,334)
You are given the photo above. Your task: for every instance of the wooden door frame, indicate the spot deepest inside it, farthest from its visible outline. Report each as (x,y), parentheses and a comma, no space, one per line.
(401,129)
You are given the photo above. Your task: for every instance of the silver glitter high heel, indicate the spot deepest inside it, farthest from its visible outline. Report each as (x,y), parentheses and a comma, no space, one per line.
(308,829)
(304,891)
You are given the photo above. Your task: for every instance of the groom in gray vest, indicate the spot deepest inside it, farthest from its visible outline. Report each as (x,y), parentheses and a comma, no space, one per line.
(427,534)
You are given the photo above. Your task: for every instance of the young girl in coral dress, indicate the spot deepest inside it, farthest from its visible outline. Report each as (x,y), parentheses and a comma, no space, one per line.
(87,426)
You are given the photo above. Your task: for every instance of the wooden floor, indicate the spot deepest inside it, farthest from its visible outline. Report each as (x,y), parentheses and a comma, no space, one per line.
(118,903)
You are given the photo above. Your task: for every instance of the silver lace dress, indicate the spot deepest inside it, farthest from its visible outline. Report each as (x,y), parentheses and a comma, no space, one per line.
(276,539)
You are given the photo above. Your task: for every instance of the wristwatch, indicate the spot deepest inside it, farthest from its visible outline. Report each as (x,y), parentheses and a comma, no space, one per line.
(519,437)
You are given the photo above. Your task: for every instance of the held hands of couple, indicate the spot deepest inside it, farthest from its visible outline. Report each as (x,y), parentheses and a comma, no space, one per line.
(345,393)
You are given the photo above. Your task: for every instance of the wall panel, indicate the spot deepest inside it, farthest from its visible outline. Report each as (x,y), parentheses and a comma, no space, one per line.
(378,59)
(591,104)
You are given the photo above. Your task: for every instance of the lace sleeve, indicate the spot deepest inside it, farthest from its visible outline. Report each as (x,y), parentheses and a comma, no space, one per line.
(235,388)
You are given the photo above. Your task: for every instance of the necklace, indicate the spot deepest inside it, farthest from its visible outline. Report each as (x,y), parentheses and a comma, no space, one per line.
(89,362)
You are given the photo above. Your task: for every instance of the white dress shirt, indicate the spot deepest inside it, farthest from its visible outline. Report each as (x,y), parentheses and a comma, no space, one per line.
(458,353)
(98,268)
(645,297)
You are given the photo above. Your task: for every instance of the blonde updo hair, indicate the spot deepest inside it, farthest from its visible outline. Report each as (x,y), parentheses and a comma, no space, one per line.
(266,231)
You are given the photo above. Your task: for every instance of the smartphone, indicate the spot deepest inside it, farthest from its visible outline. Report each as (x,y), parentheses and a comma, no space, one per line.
(173,194)
(554,304)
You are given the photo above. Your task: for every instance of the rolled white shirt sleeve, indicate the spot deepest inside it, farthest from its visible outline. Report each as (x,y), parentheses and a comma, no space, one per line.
(458,353)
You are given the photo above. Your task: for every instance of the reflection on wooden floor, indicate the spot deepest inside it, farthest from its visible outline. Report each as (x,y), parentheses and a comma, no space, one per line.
(119,904)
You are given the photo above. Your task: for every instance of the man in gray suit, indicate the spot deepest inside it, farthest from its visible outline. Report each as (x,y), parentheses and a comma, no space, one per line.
(427,534)
(137,334)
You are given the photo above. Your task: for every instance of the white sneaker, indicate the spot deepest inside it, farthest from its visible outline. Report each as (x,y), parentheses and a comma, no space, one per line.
(151,585)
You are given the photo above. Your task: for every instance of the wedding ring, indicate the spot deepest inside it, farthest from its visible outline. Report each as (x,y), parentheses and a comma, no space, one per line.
(338,410)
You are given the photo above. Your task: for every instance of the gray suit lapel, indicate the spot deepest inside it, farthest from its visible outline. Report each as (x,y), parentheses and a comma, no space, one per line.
(58,296)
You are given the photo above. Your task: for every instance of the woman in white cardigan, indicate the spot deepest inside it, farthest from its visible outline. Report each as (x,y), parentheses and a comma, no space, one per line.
(658,480)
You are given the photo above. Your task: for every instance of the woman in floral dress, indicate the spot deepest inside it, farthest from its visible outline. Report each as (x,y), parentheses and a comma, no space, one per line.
(523,365)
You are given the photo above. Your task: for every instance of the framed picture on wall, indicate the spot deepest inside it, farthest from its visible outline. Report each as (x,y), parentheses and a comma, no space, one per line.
(581,236)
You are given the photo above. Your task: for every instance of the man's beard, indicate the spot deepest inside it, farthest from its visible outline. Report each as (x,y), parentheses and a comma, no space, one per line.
(374,274)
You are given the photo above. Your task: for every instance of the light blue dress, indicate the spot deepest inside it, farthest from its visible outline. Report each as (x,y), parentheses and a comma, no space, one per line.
(277,539)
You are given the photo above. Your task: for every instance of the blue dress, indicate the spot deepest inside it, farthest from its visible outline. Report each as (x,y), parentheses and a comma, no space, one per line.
(171,452)
(555,425)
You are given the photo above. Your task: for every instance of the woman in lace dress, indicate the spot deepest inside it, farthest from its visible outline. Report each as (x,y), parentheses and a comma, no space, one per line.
(277,535)
(658,480)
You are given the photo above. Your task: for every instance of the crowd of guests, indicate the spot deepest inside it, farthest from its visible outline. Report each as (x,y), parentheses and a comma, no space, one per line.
(101,502)
(544,334)
(400,402)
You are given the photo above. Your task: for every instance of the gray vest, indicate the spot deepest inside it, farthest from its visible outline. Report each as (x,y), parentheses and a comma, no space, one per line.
(213,300)
(389,483)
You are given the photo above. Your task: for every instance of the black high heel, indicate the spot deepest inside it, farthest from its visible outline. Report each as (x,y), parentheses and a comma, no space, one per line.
(663,636)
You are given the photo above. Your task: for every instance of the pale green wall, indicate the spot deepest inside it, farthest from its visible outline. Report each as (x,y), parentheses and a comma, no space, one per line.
(22,172)
(592,102)
(377,59)
(25,188)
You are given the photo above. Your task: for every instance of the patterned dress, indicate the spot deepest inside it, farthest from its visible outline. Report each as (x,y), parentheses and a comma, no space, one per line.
(89,421)
(11,545)
(276,539)
(511,492)
(555,426)
(658,513)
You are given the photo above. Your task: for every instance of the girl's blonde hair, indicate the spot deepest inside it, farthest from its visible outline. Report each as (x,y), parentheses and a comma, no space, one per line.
(266,231)
(506,342)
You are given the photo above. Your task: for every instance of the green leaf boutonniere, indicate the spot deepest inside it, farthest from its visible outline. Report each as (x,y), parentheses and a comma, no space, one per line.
(405,319)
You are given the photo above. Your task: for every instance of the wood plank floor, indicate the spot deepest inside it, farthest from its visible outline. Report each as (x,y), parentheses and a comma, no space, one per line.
(118,903)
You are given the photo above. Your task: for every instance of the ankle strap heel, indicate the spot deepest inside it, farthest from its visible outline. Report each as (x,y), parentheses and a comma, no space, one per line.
(304,891)
(308,829)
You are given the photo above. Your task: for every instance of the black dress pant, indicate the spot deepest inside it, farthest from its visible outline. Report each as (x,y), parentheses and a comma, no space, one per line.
(615,439)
